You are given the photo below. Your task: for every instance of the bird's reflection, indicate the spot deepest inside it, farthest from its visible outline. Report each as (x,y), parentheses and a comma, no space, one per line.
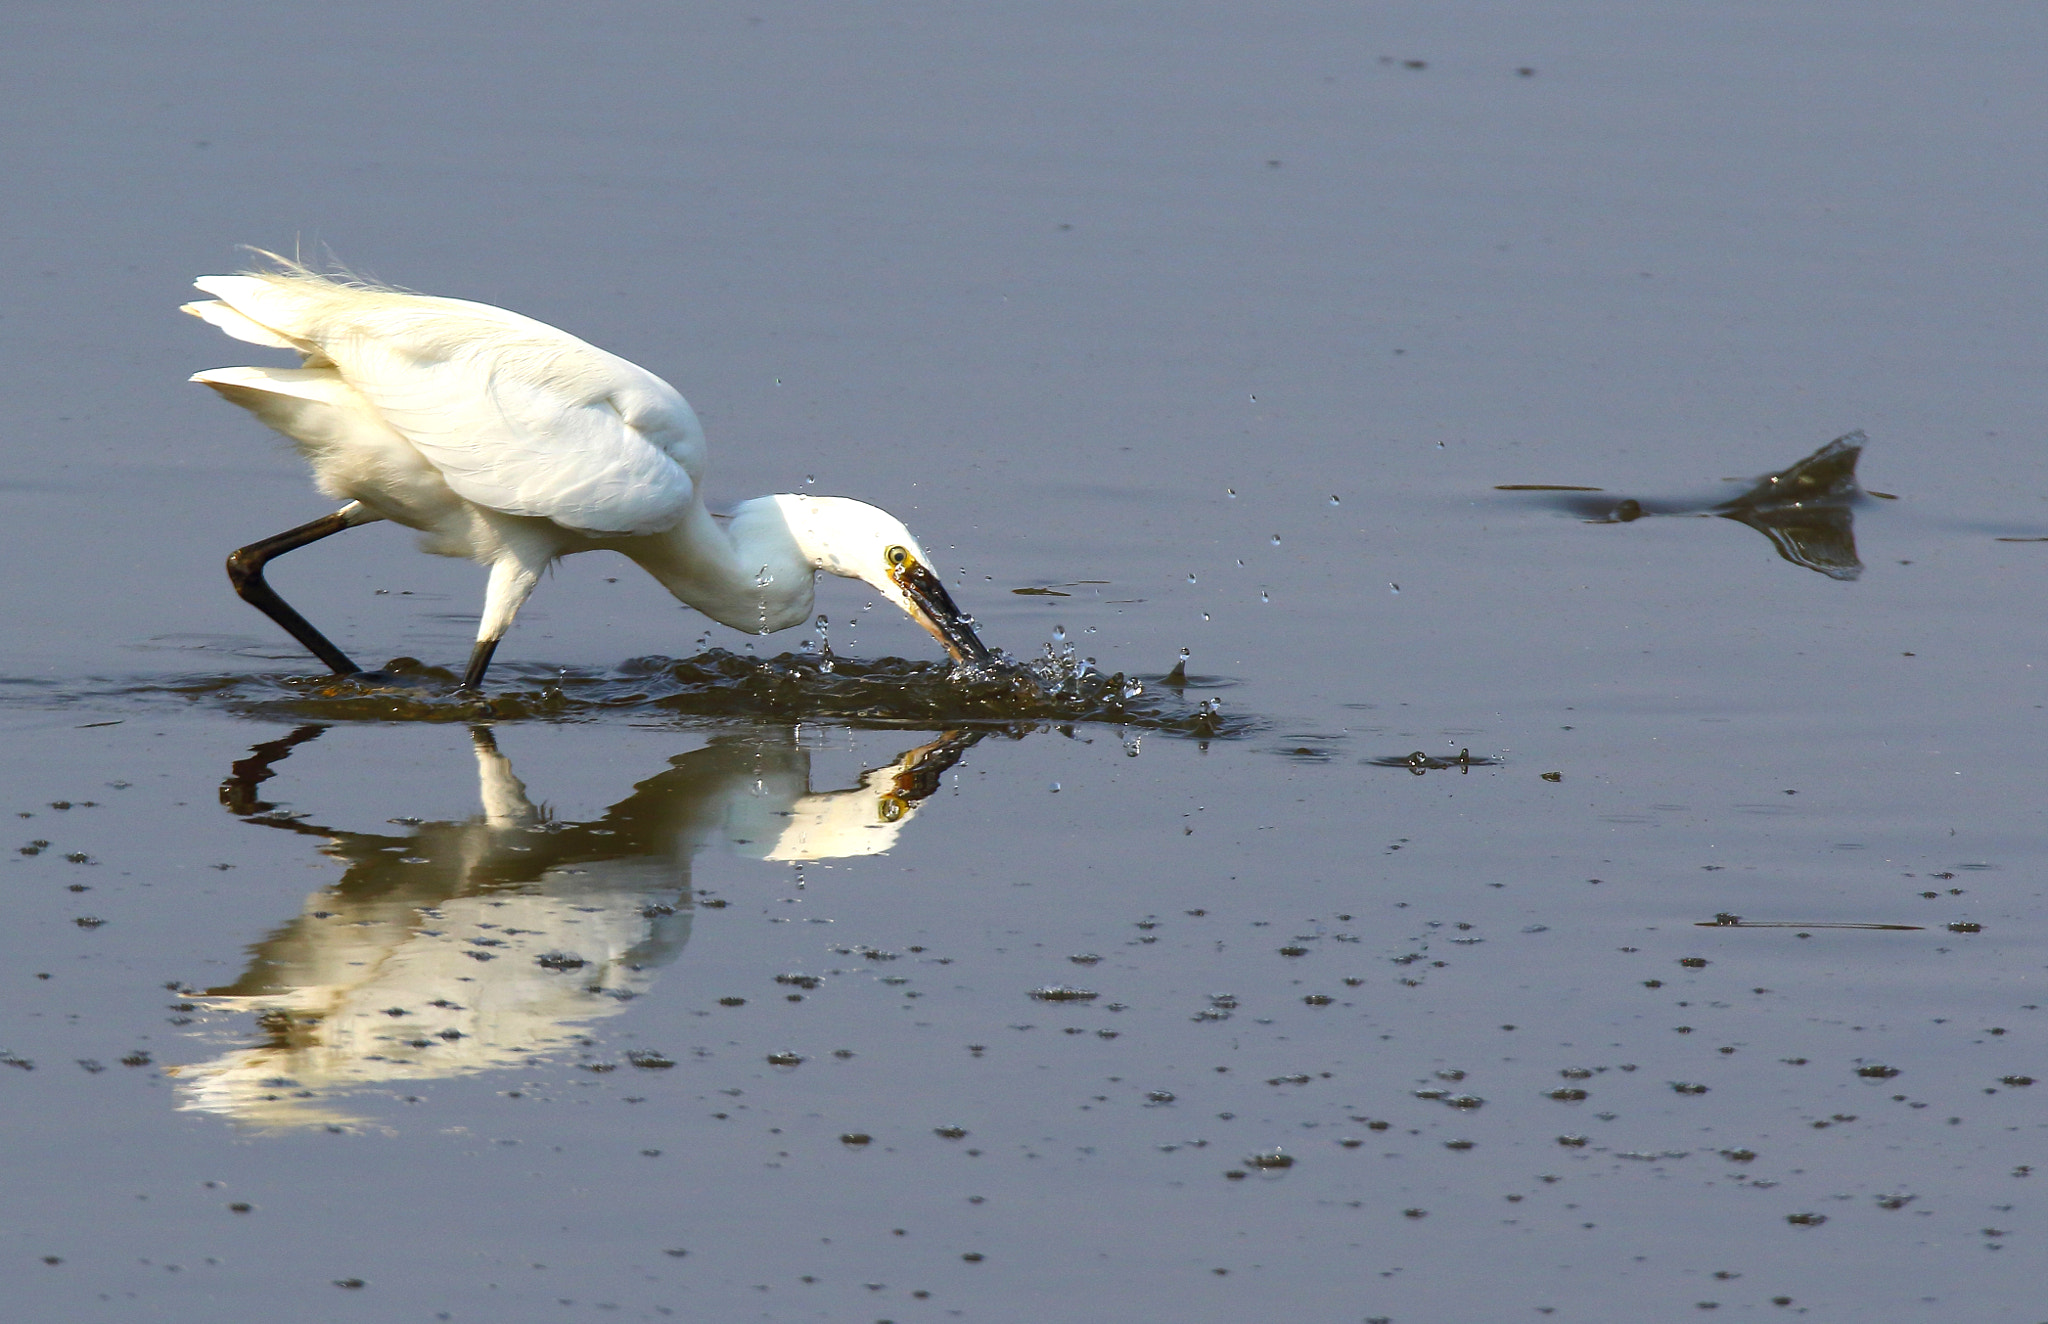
(1807,509)
(455,947)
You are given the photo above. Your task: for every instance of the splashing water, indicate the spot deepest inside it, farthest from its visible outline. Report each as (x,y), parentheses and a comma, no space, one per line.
(1061,686)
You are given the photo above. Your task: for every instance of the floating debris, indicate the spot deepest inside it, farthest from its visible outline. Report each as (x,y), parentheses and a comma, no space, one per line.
(1062,993)
(1419,762)
(1805,509)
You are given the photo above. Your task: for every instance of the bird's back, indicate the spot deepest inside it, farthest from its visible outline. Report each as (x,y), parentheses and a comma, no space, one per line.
(516,415)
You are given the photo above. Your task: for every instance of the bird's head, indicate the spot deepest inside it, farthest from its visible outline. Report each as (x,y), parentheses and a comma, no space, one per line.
(859,541)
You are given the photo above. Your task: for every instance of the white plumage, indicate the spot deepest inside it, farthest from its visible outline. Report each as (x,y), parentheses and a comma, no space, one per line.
(511,443)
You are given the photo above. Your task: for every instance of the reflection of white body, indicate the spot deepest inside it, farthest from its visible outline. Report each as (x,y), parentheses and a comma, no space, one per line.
(482,944)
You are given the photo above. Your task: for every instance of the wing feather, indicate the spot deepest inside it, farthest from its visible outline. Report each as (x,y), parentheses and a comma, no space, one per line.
(516,415)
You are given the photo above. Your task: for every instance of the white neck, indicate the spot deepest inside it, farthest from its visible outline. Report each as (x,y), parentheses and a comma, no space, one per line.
(751,574)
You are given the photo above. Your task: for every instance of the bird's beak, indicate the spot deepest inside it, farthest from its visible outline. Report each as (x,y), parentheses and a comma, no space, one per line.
(933,608)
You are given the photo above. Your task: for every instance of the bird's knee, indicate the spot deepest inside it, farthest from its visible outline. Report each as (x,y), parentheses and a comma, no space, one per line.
(244,568)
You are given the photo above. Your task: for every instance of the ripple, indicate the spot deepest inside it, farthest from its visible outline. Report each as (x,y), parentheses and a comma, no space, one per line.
(888,692)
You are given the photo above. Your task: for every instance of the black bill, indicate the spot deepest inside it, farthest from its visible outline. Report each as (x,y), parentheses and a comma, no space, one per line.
(936,613)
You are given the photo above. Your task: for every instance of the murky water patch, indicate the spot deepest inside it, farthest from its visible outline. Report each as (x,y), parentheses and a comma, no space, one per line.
(889,692)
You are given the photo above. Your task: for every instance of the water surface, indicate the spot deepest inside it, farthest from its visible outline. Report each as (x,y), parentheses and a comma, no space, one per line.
(1594,905)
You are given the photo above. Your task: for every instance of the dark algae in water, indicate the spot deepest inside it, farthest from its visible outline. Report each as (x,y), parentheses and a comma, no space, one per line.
(721,684)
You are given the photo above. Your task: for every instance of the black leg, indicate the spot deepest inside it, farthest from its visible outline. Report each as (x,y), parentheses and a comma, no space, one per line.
(238,792)
(245,572)
(479,663)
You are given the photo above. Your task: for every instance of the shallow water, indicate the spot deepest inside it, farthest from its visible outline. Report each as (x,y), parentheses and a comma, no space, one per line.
(1598,904)
(809,687)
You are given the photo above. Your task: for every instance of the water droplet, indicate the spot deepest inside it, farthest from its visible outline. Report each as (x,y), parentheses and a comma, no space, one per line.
(809,479)
(1395,587)
(1059,634)
(1333,499)
(1276,540)
(1230,492)
(1265,596)
(1205,615)
(1191,576)
(1054,788)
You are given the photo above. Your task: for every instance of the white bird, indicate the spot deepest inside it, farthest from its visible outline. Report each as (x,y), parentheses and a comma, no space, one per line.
(506,441)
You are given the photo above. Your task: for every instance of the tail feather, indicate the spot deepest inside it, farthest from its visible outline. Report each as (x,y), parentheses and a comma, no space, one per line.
(237,324)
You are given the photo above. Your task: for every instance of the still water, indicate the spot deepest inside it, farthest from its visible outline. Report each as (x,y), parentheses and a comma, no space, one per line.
(1531,522)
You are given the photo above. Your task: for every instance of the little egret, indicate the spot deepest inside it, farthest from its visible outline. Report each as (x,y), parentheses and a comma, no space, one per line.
(506,441)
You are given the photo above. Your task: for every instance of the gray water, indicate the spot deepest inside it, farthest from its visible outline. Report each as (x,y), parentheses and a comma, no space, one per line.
(1712,977)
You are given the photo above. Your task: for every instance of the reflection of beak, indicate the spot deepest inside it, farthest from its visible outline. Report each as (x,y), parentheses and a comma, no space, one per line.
(934,610)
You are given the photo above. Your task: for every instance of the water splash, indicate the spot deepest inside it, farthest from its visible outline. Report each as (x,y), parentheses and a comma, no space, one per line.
(1060,687)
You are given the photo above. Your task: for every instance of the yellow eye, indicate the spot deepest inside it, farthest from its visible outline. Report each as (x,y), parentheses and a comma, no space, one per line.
(898,556)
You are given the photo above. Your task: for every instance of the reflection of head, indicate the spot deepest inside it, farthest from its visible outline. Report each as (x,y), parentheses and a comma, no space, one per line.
(458,947)
(835,825)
